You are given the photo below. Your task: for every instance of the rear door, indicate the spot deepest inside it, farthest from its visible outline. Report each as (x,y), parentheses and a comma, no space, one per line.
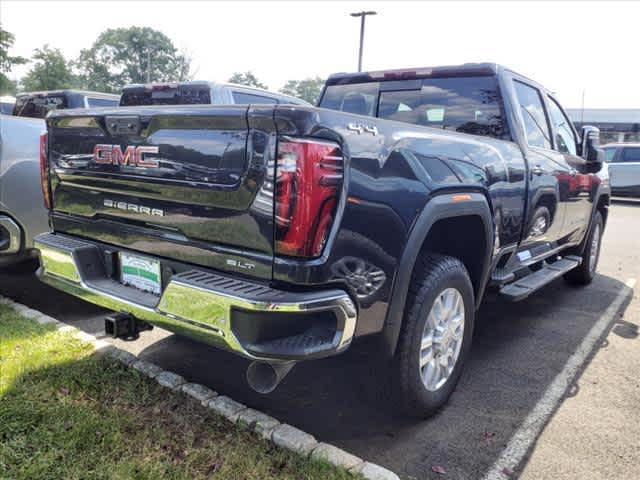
(550,177)
(581,191)
(185,183)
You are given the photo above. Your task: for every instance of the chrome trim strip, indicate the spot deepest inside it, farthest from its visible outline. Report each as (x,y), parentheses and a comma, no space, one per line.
(184,308)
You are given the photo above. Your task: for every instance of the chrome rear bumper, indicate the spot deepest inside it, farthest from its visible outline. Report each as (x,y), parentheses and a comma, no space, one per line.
(205,305)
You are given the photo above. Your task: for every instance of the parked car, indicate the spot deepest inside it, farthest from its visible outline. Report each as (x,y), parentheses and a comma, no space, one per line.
(22,213)
(6,104)
(200,92)
(284,232)
(624,168)
(38,104)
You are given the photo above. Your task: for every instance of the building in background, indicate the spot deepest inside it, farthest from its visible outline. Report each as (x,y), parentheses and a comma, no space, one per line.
(616,125)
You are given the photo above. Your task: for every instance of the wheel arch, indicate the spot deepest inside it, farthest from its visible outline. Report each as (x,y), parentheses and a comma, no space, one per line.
(436,229)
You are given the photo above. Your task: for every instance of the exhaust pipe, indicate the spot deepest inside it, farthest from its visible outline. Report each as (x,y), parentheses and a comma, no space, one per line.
(264,377)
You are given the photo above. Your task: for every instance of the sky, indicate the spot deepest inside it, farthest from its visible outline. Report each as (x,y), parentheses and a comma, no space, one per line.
(573,48)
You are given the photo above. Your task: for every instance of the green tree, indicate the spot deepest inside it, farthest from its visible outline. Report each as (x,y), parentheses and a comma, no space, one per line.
(308,89)
(131,55)
(7,61)
(247,78)
(50,71)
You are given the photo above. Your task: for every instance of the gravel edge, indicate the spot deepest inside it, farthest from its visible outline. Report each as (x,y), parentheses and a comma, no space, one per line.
(269,428)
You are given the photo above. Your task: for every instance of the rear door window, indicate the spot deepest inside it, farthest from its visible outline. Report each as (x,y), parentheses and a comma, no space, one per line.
(535,121)
(247,98)
(630,154)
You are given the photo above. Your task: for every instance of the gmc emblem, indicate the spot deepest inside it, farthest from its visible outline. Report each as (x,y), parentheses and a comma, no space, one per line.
(132,156)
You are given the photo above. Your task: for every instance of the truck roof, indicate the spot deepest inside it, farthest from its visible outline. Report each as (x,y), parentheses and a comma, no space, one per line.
(463,70)
(67,91)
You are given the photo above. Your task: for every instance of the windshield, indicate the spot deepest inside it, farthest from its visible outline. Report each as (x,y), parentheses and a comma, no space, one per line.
(463,104)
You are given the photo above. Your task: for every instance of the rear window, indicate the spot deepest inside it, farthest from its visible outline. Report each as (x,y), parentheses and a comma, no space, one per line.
(93,102)
(38,106)
(166,95)
(463,104)
(246,98)
(358,98)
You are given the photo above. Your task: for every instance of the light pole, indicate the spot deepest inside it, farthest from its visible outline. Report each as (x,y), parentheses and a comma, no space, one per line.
(362,16)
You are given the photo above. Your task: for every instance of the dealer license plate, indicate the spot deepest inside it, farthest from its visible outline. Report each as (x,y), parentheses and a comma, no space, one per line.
(140,272)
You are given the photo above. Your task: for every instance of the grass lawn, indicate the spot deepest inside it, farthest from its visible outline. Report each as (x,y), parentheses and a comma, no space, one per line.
(66,413)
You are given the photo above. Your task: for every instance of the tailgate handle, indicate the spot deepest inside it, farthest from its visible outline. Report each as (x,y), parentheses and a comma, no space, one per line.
(123,125)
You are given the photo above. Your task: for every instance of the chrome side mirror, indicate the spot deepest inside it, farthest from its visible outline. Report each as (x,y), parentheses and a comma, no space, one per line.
(591,150)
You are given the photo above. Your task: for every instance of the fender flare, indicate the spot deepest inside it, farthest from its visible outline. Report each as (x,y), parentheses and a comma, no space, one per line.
(437,208)
(601,192)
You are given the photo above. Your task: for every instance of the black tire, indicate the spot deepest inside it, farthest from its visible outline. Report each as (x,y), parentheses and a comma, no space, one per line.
(586,271)
(433,274)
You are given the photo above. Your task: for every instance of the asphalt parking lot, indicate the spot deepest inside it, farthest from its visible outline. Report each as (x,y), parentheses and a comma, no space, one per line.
(519,350)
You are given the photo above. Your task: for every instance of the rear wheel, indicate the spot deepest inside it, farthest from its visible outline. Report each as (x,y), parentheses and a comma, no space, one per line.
(436,335)
(584,273)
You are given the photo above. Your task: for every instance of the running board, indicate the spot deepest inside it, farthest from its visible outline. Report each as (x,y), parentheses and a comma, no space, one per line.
(525,286)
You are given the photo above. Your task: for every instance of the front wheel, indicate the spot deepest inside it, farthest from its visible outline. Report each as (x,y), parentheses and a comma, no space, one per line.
(586,271)
(436,335)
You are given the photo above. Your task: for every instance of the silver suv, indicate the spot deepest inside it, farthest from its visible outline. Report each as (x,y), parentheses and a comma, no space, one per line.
(22,212)
(624,168)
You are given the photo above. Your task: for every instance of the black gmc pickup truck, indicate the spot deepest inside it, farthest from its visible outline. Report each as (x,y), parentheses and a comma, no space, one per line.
(284,232)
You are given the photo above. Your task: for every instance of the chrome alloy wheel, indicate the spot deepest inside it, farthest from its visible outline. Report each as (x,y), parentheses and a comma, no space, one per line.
(595,248)
(539,227)
(442,339)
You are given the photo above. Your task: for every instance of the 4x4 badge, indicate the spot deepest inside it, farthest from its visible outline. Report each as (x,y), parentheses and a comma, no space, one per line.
(362,128)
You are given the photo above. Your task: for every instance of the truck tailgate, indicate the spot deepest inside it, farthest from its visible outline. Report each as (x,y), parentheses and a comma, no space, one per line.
(192,184)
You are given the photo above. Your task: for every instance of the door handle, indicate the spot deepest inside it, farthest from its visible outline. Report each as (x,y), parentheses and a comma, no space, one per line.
(537,170)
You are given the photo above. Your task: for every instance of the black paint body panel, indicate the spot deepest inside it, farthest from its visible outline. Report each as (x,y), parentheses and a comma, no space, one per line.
(215,189)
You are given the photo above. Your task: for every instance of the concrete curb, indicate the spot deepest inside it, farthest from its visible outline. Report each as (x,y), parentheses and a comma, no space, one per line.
(269,428)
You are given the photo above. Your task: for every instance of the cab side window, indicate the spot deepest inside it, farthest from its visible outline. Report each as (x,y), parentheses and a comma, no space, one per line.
(101,102)
(609,154)
(248,98)
(535,121)
(565,140)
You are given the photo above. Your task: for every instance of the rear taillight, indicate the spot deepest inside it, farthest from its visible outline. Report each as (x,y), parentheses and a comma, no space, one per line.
(309,177)
(44,171)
